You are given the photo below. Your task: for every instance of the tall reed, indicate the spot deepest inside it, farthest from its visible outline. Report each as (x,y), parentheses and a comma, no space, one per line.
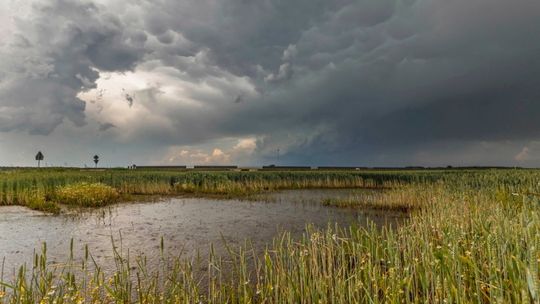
(475,240)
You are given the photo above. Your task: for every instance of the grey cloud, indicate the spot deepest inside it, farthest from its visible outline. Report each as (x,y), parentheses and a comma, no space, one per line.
(166,38)
(239,98)
(239,33)
(106,126)
(443,80)
(384,82)
(285,72)
(51,104)
(56,53)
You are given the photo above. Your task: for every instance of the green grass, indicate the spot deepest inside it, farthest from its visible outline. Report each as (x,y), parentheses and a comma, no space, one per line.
(404,199)
(25,187)
(475,238)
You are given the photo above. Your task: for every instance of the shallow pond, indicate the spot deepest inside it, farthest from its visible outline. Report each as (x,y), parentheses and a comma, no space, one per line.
(187,225)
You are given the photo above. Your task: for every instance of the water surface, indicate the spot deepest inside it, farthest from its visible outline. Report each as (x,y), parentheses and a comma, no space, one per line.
(187,225)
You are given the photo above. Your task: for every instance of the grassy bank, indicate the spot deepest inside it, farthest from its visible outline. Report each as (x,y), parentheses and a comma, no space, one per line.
(475,239)
(43,189)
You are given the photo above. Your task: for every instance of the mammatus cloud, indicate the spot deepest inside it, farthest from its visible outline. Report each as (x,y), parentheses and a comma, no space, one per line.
(327,82)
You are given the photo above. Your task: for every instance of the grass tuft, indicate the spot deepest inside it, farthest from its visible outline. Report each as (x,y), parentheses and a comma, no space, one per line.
(40,204)
(87,195)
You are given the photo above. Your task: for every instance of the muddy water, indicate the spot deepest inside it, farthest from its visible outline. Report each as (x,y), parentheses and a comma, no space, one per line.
(187,225)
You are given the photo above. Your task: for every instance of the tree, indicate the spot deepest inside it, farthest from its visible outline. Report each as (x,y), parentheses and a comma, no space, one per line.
(39,158)
(96,159)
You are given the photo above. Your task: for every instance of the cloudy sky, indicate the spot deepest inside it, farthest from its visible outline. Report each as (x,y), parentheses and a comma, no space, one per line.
(327,82)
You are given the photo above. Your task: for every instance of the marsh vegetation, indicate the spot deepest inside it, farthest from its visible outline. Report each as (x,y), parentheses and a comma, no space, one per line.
(471,236)
(45,189)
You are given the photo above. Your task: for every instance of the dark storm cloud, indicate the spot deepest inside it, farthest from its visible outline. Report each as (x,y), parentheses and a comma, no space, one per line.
(461,71)
(375,77)
(55,54)
(240,34)
(498,101)
(380,81)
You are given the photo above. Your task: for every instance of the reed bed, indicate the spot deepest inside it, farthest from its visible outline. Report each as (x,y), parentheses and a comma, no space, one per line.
(403,199)
(41,189)
(474,240)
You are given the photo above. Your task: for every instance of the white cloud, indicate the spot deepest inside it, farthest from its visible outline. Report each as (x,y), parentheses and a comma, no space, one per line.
(231,151)
(198,157)
(246,145)
(523,155)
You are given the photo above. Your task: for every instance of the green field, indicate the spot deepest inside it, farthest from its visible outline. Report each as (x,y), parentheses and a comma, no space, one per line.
(473,236)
